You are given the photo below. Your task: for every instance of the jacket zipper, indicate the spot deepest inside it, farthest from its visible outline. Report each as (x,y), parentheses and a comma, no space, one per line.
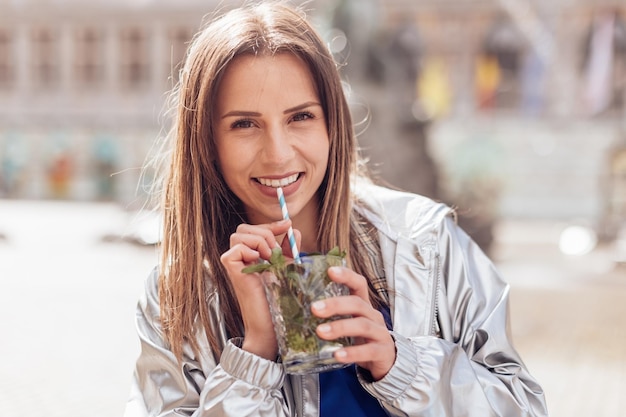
(434,329)
(300,412)
(319,398)
(302,388)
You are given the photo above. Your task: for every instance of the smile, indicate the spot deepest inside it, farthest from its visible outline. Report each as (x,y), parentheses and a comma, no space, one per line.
(275,183)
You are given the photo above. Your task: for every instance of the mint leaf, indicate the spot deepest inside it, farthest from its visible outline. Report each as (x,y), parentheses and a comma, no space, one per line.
(277,261)
(260,267)
(336,252)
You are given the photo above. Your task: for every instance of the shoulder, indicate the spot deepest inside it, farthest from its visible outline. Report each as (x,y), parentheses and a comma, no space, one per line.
(149,298)
(153,286)
(399,213)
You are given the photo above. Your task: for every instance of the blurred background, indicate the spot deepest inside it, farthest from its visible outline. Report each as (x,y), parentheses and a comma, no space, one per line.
(513,111)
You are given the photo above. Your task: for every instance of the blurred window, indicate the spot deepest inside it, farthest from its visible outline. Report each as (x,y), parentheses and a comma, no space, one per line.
(177,39)
(6,61)
(89,57)
(135,58)
(45,58)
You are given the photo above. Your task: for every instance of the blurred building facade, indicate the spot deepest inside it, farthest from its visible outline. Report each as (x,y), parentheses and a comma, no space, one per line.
(82,87)
(491,105)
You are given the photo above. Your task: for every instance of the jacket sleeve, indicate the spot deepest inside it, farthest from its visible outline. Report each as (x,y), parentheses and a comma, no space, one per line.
(241,384)
(472,369)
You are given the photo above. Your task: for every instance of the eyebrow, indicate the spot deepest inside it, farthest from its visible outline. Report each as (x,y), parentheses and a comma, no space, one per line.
(257,114)
(302,106)
(240,113)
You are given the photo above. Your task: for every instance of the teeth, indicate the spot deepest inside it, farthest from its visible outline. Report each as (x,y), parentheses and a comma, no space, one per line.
(279,183)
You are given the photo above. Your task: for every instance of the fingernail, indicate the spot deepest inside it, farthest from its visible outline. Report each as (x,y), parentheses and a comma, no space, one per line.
(341,354)
(319,305)
(335,270)
(323,328)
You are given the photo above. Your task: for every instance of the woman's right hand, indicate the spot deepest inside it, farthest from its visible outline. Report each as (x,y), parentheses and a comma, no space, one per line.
(248,245)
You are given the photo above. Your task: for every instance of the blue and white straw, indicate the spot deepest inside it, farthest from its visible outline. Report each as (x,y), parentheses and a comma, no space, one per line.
(292,238)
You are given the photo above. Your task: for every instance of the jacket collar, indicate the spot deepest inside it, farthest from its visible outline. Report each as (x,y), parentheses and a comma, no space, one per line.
(408,227)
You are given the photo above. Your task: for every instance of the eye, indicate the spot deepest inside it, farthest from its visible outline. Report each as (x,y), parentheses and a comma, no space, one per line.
(305,115)
(242,124)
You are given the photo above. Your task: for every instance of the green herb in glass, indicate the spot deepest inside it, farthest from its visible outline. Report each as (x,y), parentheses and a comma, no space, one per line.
(291,289)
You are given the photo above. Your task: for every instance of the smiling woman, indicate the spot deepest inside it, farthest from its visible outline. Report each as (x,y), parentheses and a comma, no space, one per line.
(260,108)
(268,105)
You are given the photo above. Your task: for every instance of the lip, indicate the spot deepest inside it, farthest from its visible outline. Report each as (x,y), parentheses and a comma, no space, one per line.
(287,190)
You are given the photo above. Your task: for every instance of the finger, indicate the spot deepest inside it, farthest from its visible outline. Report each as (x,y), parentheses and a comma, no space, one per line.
(373,349)
(346,306)
(377,358)
(368,352)
(298,235)
(286,243)
(239,254)
(268,229)
(357,283)
(259,237)
(266,232)
(252,241)
(358,328)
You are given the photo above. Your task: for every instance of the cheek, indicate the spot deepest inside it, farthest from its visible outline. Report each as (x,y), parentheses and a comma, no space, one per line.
(323,153)
(233,163)
(224,163)
(324,158)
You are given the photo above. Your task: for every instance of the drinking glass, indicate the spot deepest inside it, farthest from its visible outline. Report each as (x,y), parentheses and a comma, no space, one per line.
(290,292)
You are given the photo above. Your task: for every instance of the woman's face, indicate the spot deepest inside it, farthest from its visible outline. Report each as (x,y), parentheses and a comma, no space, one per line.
(270,131)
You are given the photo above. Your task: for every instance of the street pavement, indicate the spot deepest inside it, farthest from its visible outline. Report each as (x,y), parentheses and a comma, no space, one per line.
(67,298)
(568,318)
(69,285)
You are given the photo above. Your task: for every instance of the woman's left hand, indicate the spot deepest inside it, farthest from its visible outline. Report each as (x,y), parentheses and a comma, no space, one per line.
(374,348)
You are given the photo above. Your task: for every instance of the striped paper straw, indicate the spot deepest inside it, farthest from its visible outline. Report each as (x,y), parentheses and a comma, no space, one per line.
(292,238)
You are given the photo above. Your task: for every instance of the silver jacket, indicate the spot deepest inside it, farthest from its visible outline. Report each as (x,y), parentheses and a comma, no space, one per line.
(449,311)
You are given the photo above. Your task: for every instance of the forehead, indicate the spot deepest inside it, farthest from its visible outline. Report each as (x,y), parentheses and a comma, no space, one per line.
(249,75)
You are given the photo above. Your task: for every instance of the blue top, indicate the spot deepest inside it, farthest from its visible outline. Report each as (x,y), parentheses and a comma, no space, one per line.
(341,394)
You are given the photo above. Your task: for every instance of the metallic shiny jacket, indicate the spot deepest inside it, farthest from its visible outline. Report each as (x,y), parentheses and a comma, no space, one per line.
(450,324)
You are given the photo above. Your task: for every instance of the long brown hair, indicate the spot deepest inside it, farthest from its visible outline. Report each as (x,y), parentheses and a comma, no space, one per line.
(200,212)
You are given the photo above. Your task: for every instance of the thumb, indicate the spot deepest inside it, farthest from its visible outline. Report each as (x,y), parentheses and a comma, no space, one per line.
(286,245)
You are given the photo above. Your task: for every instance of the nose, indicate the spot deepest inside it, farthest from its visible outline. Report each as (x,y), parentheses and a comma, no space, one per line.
(277,146)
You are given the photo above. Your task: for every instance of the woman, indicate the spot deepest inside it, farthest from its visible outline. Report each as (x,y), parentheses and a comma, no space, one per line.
(260,105)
